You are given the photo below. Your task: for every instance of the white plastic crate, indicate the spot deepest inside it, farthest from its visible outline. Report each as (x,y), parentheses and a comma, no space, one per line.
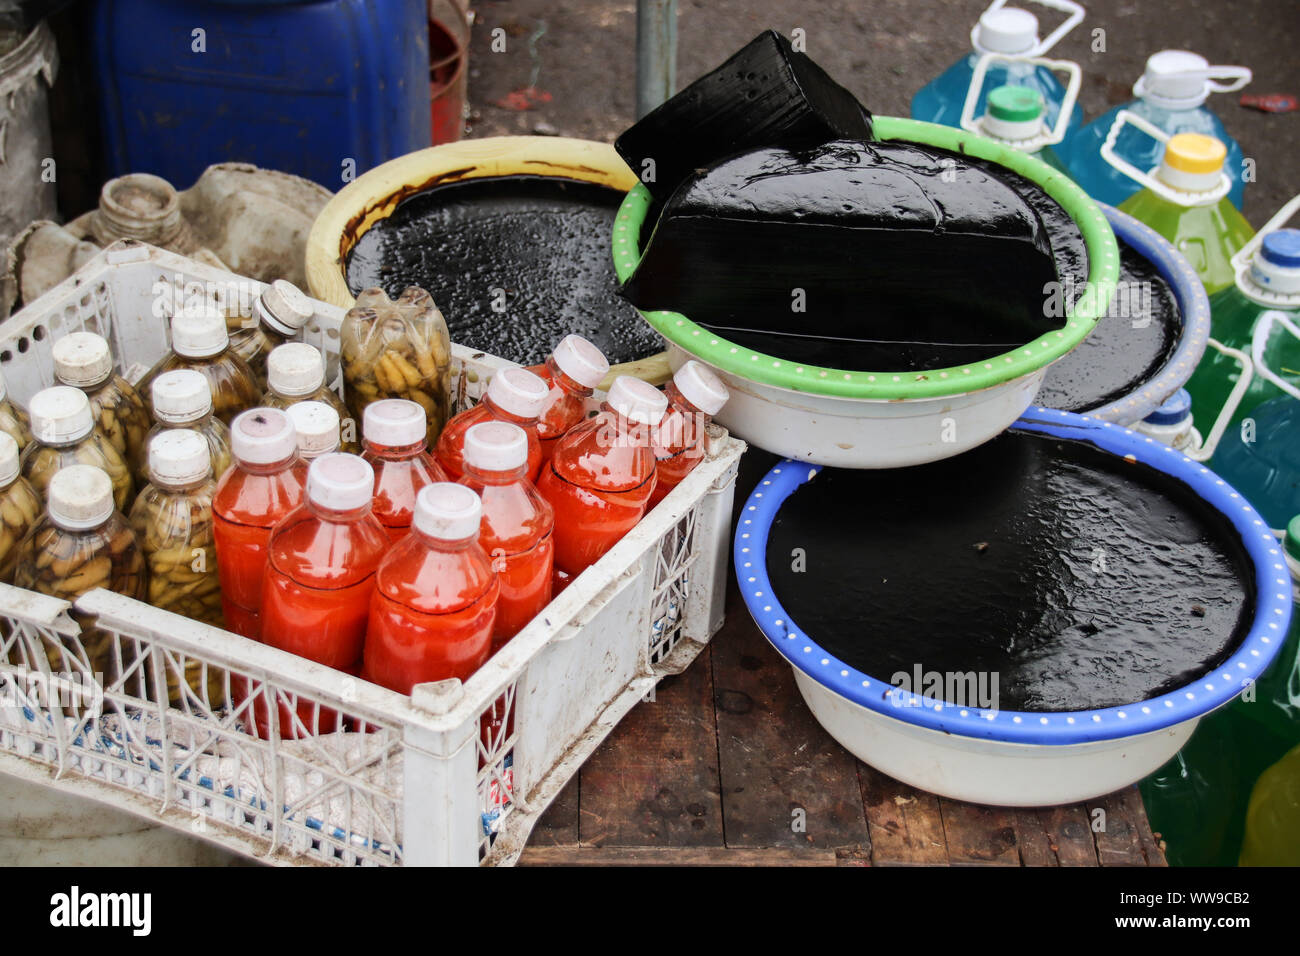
(421,787)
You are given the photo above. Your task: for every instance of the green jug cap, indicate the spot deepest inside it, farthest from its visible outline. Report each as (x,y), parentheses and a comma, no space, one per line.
(1015,104)
(1291,540)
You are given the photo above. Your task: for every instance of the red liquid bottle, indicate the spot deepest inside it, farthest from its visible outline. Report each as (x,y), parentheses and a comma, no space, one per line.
(694,396)
(602,474)
(434,605)
(516,526)
(571,372)
(394,430)
(514,395)
(322,562)
(265,483)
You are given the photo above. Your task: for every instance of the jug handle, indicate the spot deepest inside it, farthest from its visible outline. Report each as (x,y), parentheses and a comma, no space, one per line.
(1204,451)
(1163,190)
(1263,328)
(1074,16)
(1241,261)
(1048,137)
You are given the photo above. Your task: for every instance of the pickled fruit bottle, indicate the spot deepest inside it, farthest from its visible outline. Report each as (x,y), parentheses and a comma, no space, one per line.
(694,396)
(322,561)
(571,373)
(296,373)
(1273,818)
(514,395)
(435,601)
(397,349)
(83,542)
(64,433)
(201,342)
(602,475)
(172,519)
(82,360)
(317,427)
(394,433)
(279,314)
(516,527)
(13,420)
(267,481)
(182,399)
(20,507)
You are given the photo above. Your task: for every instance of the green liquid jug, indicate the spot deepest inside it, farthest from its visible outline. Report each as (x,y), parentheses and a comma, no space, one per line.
(1015,115)
(1273,819)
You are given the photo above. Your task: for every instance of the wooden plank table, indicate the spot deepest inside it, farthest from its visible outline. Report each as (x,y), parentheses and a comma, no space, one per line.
(726,766)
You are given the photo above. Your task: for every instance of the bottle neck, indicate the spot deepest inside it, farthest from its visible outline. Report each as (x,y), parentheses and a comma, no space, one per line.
(274,468)
(485,477)
(336,516)
(441,544)
(505,416)
(395,452)
(564,382)
(198,421)
(176,487)
(65,442)
(627,432)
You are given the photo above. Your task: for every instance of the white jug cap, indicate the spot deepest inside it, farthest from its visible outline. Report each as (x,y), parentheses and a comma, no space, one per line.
(178,456)
(8,459)
(181,396)
(1183,80)
(519,392)
(82,359)
(295,369)
(393,423)
(284,307)
(80,497)
(581,361)
(262,436)
(496,446)
(60,414)
(317,425)
(447,511)
(340,482)
(636,400)
(701,387)
(1007,30)
(198,333)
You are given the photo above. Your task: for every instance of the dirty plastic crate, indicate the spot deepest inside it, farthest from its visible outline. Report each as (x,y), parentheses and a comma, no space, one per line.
(422,787)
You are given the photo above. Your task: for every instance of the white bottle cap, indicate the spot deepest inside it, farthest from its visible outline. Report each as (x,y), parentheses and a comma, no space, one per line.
(179,456)
(496,446)
(636,400)
(519,392)
(8,459)
(339,482)
(181,396)
(581,361)
(60,414)
(1182,80)
(317,425)
(80,497)
(1007,30)
(295,369)
(82,359)
(200,332)
(447,511)
(394,423)
(262,436)
(284,307)
(701,387)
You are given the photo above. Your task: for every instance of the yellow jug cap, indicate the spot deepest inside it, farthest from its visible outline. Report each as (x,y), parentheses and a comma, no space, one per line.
(1194,153)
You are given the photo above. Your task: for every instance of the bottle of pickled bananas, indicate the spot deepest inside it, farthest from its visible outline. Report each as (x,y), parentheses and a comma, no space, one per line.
(20,506)
(295,372)
(83,542)
(397,349)
(182,399)
(317,426)
(83,360)
(13,420)
(200,342)
(279,314)
(64,433)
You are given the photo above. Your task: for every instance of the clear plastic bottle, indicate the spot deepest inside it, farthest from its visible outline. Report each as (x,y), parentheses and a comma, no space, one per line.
(13,420)
(172,519)
(83,360)
(602,474)
(20,507)
(435,601)
(694,396)
(279,315)
(514,395)
(64,433)
(394,431)
(296,373)
(571,373)
(182,399)
(267,481)
(517,525)
(200,342)
(317,427)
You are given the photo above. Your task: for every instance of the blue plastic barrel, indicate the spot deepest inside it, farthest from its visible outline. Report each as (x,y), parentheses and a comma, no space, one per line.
(325,90)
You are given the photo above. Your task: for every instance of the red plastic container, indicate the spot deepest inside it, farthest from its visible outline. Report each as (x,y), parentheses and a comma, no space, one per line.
(394,433)
(571,373)
(694,396)
(514,395)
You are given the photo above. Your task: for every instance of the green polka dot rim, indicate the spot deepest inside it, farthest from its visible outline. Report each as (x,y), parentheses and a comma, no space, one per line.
(1103,273)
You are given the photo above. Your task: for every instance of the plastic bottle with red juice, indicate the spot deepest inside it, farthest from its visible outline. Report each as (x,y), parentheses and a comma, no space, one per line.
(602,474)
(517,524)
(571,372)
(265,483)
(694,396)
(394,431)
(322,562)
(435,600)
(514,395)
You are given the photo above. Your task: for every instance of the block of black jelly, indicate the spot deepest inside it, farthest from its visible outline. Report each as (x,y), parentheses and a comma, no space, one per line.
(885,243)
(768,94)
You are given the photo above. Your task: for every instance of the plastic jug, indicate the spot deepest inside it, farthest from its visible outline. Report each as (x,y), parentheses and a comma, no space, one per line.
(514,395)
(1012,33)
(1016,115)
(1171,95)
(571,372)
(1185,199)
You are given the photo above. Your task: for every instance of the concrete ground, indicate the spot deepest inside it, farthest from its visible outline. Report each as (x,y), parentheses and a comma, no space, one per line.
(583,53)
